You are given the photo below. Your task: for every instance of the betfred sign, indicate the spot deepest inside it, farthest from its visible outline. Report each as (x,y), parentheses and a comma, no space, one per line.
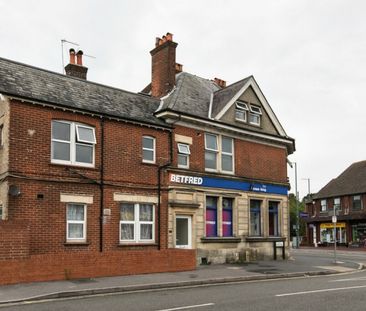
(183,179)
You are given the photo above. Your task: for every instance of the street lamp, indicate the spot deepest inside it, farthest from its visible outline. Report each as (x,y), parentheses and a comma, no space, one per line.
(297,204)
(308,179)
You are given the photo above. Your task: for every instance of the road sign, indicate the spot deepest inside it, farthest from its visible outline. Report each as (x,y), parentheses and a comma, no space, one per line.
(334,219)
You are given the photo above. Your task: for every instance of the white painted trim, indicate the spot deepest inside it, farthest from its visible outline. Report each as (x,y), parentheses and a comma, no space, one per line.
(251,82)
(210,107)
(122,197)
(74,198)
(229,128)
(189,229)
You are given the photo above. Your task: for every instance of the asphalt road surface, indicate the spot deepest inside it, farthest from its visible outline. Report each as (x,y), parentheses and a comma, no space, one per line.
(336,292)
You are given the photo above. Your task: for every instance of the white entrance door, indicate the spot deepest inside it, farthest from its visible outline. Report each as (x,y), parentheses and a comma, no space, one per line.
(183,231)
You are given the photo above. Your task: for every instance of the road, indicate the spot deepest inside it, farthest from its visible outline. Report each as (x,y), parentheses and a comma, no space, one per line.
(336,292)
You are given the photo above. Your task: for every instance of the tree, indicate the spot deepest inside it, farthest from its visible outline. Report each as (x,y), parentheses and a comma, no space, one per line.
(293,213)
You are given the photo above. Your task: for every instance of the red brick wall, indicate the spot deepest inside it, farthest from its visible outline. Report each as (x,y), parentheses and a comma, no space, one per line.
(252,160)
(94,264)
(14,240)
(30,146)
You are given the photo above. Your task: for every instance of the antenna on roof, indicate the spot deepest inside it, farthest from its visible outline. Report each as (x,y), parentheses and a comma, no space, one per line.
(63,41)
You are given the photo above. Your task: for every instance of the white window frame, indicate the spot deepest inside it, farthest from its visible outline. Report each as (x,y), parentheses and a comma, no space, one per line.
(83,222)
(93,141)
(137,223)
(243,108)
(73,142)
(323,206)
(257,112)
(228,154)
(153,149)
(219,152)
(337,202)
(184,152)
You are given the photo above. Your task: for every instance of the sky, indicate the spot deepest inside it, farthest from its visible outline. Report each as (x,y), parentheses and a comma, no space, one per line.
(308,57)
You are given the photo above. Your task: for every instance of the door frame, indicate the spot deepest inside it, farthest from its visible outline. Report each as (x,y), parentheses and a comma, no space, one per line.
(189,217)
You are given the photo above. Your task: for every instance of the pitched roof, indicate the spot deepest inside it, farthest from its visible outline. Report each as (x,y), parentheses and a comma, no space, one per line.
(192,94)
(20,80)
(351,181)
(223,96)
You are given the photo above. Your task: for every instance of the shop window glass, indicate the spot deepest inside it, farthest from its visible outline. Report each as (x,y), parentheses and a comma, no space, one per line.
(211,216)
(273,223)
(227,217)
(255,217)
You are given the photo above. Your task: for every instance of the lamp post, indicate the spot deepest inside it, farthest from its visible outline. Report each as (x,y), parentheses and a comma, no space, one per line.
(297,209)
(308,179)
(297,204)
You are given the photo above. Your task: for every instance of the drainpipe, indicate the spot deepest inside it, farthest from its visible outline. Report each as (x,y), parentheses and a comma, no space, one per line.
(101,185)
(162,167)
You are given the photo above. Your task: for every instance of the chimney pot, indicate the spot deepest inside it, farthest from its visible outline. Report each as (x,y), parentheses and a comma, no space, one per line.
(178,68)
(79,58)
(72,56)
(169,36)
(221,83)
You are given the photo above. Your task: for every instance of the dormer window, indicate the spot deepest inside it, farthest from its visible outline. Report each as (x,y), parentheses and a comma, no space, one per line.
(255,115)
(241,111)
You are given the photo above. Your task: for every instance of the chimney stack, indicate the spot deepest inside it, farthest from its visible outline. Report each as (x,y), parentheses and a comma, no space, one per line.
(75,68)
(220,83)
(163,67)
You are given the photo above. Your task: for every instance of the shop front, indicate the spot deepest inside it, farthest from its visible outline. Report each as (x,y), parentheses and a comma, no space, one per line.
(358,231)
(327,233)
(227,220)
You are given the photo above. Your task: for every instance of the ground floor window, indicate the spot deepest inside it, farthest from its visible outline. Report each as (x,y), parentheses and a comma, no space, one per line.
(227,217)
(255,217)
(211,216)
(76,222)
(273,224)
(327,233)
(359,233)
(136,222)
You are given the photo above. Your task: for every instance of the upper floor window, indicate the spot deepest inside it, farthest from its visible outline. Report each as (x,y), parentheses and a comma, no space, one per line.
(337,203)
(148,149)
(219,153)
(323,205)
(255,115)
(72,143)
(241,109)
(356,203)
(183,155)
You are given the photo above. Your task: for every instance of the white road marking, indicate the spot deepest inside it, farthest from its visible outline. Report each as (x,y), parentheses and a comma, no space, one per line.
(320,291)
(188,307)
(351,279)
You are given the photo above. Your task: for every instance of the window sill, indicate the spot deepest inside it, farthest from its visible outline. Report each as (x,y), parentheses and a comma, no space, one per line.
(264,239)
(137,244)
(77,166)
(76,243)
(221,240)
(149,163)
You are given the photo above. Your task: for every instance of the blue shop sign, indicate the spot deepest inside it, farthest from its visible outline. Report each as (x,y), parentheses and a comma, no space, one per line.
(227,184)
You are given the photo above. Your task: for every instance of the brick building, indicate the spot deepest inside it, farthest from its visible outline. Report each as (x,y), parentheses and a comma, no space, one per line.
(345,197)
(96,179)
(228,182)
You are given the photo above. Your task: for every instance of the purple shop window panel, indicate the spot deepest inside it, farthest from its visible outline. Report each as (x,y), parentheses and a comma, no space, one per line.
(211,223)
(227,223)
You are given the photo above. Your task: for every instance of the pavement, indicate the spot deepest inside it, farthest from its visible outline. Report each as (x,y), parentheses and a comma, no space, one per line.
(299,265)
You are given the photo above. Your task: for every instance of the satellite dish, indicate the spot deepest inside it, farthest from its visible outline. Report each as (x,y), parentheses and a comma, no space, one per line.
(14,190)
